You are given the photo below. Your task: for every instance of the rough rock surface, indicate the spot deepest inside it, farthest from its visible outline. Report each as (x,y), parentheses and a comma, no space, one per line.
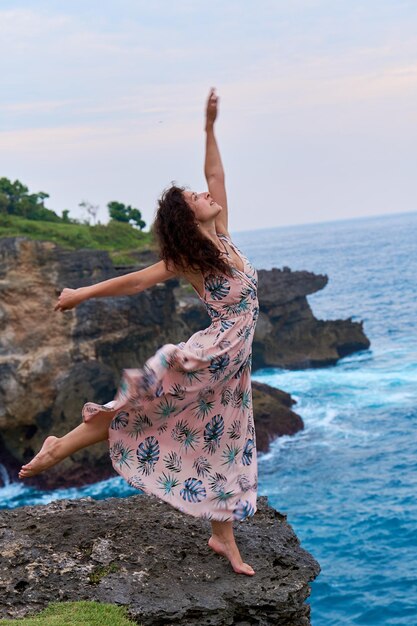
(144,554)
(51,363)
(289,335)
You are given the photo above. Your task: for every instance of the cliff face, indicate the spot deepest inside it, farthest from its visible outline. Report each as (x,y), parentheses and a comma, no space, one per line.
(51,363)
(144,554)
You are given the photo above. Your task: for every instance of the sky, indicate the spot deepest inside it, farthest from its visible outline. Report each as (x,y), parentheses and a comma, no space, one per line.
(104,100)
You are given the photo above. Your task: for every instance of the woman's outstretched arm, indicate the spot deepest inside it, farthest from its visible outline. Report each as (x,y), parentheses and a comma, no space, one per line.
(213,167)
(125,285)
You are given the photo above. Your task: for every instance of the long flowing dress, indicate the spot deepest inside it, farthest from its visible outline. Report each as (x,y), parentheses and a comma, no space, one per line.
(183,426)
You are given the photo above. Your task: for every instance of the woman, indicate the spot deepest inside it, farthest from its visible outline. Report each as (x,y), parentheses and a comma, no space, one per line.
(182,426)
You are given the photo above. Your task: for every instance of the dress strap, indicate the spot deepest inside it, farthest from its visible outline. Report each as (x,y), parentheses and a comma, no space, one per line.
(236,251)
(225,249)
(228,239)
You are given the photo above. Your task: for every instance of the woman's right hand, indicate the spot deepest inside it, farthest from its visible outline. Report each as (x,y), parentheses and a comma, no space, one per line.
(68,299)
(211,107)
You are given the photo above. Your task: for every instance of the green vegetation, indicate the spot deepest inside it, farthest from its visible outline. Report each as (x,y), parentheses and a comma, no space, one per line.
(24,213)
(83,613)
(15,199)
(117,238)
(102,571)
(122,213)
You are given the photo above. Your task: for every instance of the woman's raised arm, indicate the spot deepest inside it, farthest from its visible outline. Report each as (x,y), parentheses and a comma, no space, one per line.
(213,167)
(125,285)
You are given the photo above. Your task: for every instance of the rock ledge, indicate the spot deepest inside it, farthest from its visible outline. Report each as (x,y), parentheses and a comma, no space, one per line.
(144,554)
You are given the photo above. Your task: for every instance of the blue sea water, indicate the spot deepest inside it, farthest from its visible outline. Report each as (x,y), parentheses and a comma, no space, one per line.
(348,481)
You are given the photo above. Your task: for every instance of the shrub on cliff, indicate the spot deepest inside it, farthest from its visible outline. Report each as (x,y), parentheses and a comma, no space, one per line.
(15,199)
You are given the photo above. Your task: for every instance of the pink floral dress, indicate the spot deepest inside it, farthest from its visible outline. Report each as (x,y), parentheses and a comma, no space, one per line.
(183,426)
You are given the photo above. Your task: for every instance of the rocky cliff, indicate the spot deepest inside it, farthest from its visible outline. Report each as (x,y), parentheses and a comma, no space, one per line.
(52,362)
(144,554)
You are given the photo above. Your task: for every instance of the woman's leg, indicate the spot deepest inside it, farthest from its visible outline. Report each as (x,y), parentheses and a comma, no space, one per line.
(55,449)
(223,542)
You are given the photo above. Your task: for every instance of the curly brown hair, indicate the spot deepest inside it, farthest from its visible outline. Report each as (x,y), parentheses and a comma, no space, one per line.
(179,238)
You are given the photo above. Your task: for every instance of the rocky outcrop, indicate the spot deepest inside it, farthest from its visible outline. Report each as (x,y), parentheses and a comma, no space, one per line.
(273,415)
(51,363)
(290,335)
(141,553)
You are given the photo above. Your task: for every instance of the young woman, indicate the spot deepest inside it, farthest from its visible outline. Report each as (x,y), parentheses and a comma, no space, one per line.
(182,428)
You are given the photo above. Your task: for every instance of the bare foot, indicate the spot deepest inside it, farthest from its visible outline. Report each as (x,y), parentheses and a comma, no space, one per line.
(230,550)
(46,457)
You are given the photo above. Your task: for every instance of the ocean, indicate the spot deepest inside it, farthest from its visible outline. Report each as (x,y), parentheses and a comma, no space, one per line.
(348,481)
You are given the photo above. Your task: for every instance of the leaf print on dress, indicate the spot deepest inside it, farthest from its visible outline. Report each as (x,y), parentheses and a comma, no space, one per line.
(246,398)
(245,332)
(167,483)
(239,356)
(159,391)
(222,497)
(192,375)
(120,454)
(245,367)
(120,420)
(203,408)
(227,396)
(187,436)
(212,312)
(217,481)
(212,434)
(178,391)
(243,482)
(148,379)
(165,408)
(193,490)
(136,482)
(251,427)
(218,485)
(248,452)
(234,431)
(230,454)
(237,308)
(139,425)
(173,461)
(243,510)
(202,466)
(224,325)
(218,365)
(148,454)
(218,286)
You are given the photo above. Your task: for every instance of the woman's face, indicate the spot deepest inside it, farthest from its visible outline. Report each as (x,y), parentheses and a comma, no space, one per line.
(203,205)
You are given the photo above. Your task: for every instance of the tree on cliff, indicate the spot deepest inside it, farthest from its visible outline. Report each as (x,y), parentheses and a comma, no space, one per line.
(15,199)
(90,209)
(122,213)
